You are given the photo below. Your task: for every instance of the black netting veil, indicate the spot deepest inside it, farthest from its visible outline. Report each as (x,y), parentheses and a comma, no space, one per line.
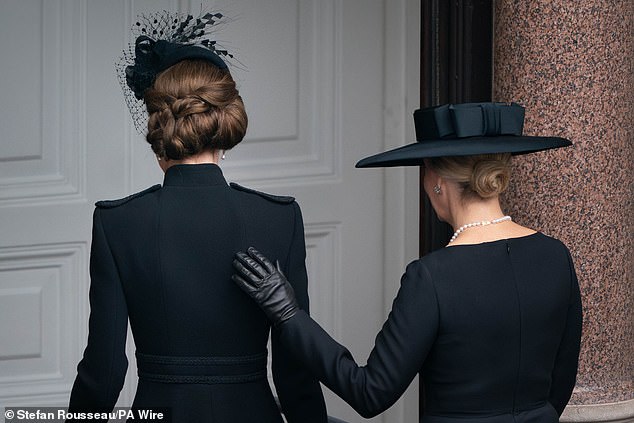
(162,39)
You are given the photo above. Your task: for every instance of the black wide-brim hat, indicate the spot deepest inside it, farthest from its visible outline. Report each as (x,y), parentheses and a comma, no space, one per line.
(464,130)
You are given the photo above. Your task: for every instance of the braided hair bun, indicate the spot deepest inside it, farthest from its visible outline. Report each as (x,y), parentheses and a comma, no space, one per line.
(194,106)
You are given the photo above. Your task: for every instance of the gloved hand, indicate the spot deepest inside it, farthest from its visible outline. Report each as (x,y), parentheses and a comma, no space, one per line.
(266,284)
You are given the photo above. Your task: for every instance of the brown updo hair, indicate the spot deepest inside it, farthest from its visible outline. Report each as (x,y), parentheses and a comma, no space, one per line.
(483,175)
(194,106)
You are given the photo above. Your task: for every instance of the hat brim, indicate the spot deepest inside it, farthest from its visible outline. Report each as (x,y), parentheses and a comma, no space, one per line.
(413,154)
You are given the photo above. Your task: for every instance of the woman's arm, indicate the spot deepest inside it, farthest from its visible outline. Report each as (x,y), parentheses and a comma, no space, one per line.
(101,372)
(298,390)
(400,347)
(565,369)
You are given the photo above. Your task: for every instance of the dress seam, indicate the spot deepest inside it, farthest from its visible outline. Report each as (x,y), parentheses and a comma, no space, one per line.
(433,285)
(112,352)
(161,273)
(290,245)
(519,311)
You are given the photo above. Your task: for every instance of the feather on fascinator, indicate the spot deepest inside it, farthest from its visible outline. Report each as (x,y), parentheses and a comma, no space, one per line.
(163,39)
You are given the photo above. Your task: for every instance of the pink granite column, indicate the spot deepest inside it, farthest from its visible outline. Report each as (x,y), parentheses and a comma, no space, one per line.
(570,63)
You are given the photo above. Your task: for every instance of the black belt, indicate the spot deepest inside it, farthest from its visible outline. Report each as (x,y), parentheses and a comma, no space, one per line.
(211,370)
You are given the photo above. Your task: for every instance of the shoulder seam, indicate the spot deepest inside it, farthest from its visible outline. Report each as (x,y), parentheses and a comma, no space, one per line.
(107,204)
(282,199)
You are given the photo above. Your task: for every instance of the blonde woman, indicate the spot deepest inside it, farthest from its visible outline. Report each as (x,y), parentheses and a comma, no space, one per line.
(492,322)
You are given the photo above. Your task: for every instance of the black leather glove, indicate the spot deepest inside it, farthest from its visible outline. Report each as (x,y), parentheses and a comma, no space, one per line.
(266,284)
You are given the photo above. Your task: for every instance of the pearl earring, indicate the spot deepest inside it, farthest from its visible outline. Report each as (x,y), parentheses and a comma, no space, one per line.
(223,155)
(437,189)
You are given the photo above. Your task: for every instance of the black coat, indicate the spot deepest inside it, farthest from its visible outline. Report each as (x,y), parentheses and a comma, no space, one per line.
(494,330)
(162,258)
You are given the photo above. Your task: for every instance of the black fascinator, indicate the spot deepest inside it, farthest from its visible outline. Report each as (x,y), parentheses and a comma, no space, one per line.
(163,39)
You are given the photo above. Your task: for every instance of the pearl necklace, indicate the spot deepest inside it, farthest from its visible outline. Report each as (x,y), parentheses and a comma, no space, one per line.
(481,223)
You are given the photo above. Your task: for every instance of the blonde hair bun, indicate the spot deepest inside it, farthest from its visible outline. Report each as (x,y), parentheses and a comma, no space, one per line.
(484,175)
(490,177)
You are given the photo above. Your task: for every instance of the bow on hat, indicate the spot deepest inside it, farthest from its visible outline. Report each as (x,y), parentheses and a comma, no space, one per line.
(469,120)
(462,130)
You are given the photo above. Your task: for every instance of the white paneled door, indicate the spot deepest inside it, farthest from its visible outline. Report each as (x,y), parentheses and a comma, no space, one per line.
(314,83)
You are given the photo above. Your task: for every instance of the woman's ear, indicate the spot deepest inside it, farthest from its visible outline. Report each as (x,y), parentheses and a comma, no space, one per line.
(434,178)
(440,182)
(163,163)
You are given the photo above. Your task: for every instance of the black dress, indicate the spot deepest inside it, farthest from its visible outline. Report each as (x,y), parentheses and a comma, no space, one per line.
(163,258)
(494,330)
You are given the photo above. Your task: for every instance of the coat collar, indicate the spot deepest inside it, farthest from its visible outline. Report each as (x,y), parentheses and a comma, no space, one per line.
(194,175)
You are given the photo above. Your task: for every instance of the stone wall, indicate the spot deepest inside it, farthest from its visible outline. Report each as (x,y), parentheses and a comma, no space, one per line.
(570,63)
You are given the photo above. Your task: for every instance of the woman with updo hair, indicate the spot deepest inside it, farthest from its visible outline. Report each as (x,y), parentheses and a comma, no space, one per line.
(484,175)
(161,258)
(492,322)
(194,107)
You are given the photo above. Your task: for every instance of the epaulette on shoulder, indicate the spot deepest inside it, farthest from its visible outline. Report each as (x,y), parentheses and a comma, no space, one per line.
(108,204)
(283,199)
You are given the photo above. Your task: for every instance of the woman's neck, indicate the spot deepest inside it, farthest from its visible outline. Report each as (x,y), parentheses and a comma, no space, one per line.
(206,157)
(482,210)
(463,212)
